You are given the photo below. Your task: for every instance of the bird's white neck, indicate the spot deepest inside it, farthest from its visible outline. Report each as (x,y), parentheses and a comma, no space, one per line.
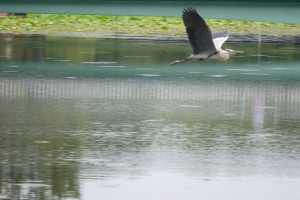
(224,55)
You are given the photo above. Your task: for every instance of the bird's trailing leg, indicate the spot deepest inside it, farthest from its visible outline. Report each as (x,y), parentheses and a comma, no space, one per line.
(178,61)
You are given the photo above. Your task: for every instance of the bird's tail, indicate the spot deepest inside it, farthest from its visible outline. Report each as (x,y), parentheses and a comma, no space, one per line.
(178,61)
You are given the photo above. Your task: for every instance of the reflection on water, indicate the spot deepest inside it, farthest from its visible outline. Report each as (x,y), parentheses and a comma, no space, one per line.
(89,118)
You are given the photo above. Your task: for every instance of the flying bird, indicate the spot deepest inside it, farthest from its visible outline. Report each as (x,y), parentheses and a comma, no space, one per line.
(205,45)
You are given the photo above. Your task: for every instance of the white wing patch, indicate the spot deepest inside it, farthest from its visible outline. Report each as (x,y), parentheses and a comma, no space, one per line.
(219,42)
(219,38)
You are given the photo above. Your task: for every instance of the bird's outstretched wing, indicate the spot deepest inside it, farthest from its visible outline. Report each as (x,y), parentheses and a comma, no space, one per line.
(219,38)
(198,32)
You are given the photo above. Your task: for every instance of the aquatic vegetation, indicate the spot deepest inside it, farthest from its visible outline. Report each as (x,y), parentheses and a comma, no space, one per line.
(132,25)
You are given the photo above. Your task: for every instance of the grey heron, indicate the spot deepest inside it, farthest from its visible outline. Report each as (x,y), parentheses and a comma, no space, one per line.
(205,45)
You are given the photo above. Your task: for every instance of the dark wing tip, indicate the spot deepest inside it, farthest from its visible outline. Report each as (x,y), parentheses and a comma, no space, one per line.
(190,11)
(220,34)
(198,32)
(191,17)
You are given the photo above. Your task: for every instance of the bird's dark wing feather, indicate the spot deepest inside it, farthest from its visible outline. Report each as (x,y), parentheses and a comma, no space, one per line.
(198,32)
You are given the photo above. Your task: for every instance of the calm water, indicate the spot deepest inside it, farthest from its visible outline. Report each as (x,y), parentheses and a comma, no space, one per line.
(84,118)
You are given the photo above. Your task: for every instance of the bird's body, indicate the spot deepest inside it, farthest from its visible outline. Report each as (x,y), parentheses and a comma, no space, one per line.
(223,56)
(205,45)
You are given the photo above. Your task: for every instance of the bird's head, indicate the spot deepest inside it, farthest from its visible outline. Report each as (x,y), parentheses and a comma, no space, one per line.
(232,52)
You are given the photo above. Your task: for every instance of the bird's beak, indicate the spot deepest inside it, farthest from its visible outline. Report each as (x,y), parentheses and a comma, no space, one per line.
(238,52)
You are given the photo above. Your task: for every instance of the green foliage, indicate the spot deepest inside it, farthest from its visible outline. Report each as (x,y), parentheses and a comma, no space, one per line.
(105,24)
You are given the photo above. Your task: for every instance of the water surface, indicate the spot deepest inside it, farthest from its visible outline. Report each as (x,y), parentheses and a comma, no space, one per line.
(86,118)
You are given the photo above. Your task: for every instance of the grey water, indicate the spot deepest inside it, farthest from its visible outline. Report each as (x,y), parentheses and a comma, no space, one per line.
(96,118)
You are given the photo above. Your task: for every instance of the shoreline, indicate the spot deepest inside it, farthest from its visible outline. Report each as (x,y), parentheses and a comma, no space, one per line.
(233,37)
(144,28)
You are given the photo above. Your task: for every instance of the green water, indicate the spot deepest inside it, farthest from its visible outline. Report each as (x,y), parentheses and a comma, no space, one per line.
(85,118)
